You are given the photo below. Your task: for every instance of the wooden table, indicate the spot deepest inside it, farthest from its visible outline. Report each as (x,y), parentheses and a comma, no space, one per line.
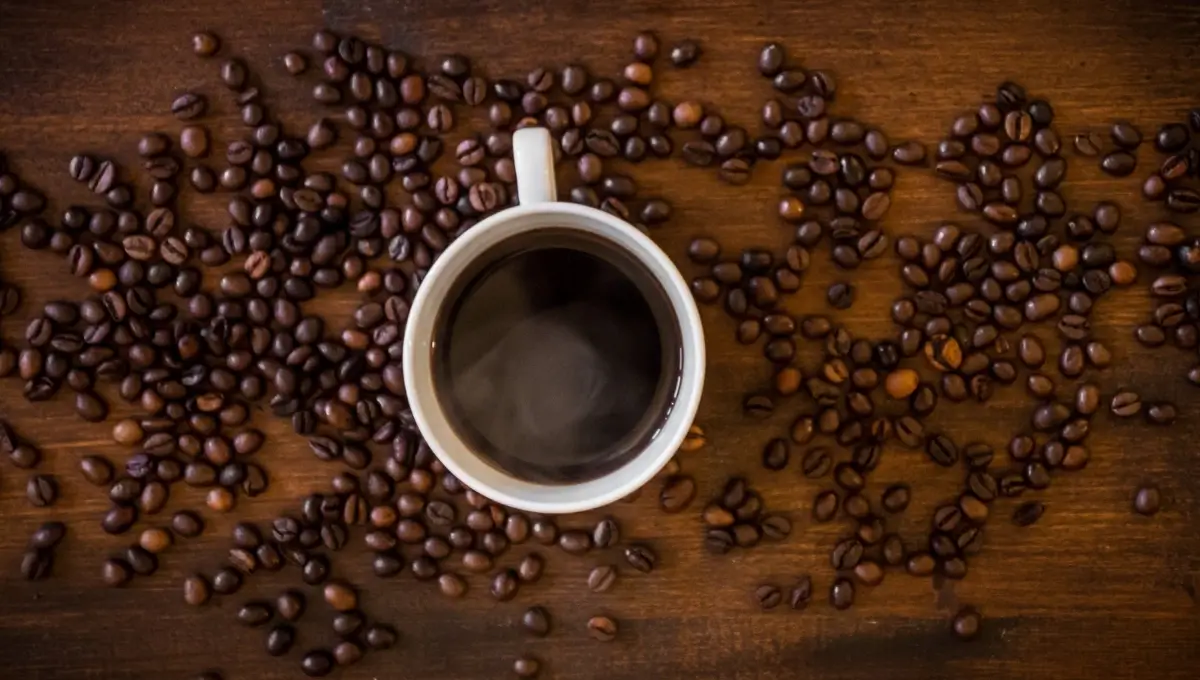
(1093,590)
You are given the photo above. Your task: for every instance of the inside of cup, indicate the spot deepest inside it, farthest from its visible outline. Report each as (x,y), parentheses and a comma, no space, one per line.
(420,349)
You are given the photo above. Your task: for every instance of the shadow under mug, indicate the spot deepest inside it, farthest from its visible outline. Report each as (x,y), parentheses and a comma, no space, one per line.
(539,210)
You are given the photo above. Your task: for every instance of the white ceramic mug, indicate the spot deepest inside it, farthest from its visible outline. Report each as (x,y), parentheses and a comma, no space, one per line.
(538,210)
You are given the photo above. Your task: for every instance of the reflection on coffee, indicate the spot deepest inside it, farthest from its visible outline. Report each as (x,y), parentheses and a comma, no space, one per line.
(558,357)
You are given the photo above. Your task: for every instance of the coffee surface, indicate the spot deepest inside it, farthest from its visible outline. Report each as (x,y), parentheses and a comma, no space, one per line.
(552,363)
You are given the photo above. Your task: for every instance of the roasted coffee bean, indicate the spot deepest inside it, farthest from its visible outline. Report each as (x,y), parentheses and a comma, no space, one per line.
(196,590)
(1119,163)
(895,498)
(186,106)
(768,596)
(841,594)
(1163,413)
(1087,144)
(602,628)
(1125,404)
(317,663)
(846,554)
(641,558)
(817,461)
(775,527)
(1147,501)
(536,620)
(1028,513)
(776,453)
(41,491)
(677,493)
(601,579)
(967,623)
(942,450)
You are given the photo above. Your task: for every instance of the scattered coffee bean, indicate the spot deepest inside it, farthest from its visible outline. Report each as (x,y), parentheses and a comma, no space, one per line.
(1147,501)
(602,628)
(967,623)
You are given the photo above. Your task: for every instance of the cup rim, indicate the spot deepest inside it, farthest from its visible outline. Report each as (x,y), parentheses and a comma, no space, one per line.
(456,455)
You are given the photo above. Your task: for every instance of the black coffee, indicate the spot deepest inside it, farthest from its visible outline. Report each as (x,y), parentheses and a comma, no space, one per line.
(559,356)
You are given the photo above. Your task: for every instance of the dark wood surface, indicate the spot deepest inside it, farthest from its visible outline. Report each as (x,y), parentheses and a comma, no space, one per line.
(1091,591)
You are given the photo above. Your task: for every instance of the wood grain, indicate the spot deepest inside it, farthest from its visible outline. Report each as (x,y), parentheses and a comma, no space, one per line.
(1090,591)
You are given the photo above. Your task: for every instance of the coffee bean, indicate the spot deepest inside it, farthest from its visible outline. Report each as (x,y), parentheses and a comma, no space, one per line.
(526,667)
(771,59)
(504,585)
(205,44)
(1028,513)
(96,470)
(143,562)
(317,663)
(1087,144)
(602,628)
(254,614)
(349,623)
(227,581)
(841,594)
(840,295)
(1125,404)
(1147,501)
(380,636)
(846,554)
(193,141)
(768,596)
(942,450)
(677,493)
(895,498)
(47,535)
(758,406)
(280,640)
(967,623)
(1163,413)
(116,572)
(41,491)
(684,53)
(536,620)
(187,106)
(1119,164)
(452,585)
(698,153)
(776,453)
(1125,135)
(602,578)
(641,558)
(155,540)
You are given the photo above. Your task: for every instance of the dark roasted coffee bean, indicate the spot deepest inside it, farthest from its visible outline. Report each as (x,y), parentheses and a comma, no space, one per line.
(536,620)
(1147,501)
(895,498)
(641,558)
(41,491)
(768,596)
(1119,163)
(942,450)
(966,624)
(1028,513)
(846,554)
(841,594)
(317,663)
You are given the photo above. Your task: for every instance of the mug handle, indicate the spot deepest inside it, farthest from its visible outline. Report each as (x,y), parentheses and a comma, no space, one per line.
(534,161)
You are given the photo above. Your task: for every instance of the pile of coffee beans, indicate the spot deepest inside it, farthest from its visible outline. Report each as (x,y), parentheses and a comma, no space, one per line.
(1174,255)
(195,360)
(736,519)
(966,327)
(1174,181)
(842,189)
